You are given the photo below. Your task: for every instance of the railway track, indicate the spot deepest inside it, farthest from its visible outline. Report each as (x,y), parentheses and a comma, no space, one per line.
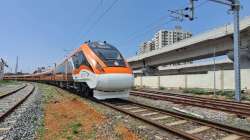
(9,92)
(241,109)
(9,107)
(185,126)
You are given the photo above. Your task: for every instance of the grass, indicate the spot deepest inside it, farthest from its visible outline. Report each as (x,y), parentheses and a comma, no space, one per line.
(198,91)
(7,82)
(72,131)
(47,96)
(48,92)
(201,91)
(74,124)
(75,127)
(162,88)
(228,94)
(41,130)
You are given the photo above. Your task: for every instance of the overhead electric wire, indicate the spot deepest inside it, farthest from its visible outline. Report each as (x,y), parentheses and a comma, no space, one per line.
(147,26)
(92,14)
(135,34)
(84,25)
(101,16)
(150,29)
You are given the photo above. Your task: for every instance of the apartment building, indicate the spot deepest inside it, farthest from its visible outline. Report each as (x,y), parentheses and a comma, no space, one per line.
(164,38)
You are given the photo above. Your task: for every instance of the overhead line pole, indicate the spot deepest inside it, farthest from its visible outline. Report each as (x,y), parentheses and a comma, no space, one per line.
(235,7)
(236,10)
(16,68)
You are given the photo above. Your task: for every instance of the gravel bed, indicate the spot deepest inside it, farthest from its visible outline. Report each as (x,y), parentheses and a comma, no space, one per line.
(188,126)
(28,119)
(169,120)
(141,129)
(213,115)
(212,134)
(9,88)
(7,102)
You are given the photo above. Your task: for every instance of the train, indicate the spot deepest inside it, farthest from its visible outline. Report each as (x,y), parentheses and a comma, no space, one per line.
(95,69)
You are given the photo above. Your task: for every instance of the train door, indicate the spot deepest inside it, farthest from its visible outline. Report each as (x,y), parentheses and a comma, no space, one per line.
(68,70)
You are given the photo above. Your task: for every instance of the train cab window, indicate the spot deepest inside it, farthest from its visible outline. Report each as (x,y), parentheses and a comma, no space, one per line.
(79,59)
(109,54)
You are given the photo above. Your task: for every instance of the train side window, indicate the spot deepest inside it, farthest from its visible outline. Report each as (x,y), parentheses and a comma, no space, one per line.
(60,69)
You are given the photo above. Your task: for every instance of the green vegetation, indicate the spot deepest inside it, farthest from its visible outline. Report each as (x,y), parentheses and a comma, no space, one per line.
(162,88)
(74,130)
(201,91)
(48,92)
(198,91)
(75,127)
(71,129)
(245,96)
(41,130)
(229,94)
(47,96)
(7,82)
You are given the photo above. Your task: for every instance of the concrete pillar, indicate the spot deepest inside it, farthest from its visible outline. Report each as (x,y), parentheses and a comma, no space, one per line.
(186,81)
(141,81)
(159,82)
(222,79)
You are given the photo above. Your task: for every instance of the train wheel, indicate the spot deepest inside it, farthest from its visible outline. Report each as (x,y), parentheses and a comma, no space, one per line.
(89,92)
(86,91)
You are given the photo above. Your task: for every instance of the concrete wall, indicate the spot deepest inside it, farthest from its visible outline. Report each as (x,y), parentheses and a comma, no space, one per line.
(224,80)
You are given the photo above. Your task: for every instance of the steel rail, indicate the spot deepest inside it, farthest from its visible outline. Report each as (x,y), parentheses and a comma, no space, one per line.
(178,132)
(14,91)
(194,97)
(216,125)
(220,126)
(10,110)
(239,110)
(220,107)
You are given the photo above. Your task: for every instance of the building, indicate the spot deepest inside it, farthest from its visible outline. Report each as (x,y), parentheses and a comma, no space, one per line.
(164,38)
(146,47)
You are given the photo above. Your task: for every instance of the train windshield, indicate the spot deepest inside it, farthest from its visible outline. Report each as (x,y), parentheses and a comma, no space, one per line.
(109,54)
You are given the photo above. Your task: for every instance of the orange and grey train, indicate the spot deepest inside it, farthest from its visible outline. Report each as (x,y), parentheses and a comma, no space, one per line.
(95,69)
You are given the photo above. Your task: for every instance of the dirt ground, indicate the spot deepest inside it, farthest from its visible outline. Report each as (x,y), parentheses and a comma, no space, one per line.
(68,117)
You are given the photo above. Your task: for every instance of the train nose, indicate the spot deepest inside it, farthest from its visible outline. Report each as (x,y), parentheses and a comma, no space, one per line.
(114,82)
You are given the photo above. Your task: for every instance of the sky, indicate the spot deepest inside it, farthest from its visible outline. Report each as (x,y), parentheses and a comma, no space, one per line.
(43,32)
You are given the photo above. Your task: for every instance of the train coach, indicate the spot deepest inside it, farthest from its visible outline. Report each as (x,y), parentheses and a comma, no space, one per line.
(94,69)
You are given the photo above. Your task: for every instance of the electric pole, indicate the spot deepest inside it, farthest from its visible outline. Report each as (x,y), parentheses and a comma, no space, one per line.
(235,7)
(16,68)
(236,11)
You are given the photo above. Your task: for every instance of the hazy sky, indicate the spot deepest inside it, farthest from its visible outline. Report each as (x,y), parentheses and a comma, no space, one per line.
(42,32)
